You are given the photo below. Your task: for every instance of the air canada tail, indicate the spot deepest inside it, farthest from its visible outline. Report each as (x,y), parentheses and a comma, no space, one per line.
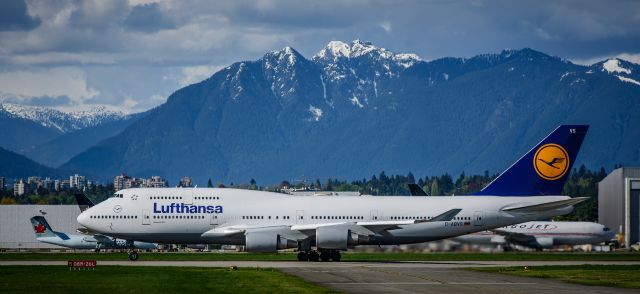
(544,169)
(41,227)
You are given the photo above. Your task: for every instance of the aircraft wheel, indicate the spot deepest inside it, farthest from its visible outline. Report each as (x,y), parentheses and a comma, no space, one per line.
(314,256)
(325,255)
(303,256)
(335,255)
(133,256)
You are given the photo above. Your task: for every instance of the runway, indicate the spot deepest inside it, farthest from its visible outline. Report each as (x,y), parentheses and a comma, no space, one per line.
(399,277)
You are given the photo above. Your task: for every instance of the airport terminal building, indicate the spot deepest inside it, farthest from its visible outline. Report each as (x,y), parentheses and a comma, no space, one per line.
(15,227)
(619,203)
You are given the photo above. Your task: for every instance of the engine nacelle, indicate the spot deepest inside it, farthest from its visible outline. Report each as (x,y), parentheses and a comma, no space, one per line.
(266,241)
(336,237)
(545,242)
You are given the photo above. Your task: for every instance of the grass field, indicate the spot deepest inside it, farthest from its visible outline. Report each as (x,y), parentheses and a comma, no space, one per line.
(622,276)
(115,279)
(349,256)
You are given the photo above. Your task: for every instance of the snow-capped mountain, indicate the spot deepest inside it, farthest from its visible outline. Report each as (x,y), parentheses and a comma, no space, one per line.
(623,70)
(355,109)
(62,120)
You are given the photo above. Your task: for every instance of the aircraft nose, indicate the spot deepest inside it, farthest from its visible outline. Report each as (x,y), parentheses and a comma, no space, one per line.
(83,218)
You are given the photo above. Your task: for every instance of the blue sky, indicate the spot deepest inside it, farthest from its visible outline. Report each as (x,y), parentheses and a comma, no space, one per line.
(132,54)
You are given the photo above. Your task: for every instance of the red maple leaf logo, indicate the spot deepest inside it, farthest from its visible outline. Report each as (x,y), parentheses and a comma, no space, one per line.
(39,229)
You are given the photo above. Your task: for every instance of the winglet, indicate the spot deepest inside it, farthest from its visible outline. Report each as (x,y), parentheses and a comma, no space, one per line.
(544,169)
(415,190)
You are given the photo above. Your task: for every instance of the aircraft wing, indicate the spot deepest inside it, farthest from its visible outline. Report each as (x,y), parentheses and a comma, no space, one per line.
(102,238)
(545,206)
(300,232)
(230,231)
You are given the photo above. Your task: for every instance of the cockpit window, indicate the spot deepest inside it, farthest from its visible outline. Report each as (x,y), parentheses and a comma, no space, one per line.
(606,229)
(116,195)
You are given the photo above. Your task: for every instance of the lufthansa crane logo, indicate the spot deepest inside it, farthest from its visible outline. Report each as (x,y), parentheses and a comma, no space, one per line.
(551,162)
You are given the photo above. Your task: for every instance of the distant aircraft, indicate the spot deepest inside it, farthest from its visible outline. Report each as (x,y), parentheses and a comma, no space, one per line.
(541,235)
(267,221)
(44,233)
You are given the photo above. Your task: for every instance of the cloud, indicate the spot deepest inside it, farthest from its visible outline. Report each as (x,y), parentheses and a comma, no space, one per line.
(147,18)
(631,57)
(194,74)
(386,26)
(126,47)
(46,101)
(55,82)
(15,16)
(98,15)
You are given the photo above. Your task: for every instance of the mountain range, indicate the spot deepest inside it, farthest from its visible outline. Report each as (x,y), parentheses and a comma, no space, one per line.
(52,137)
(355,109)
(350,111)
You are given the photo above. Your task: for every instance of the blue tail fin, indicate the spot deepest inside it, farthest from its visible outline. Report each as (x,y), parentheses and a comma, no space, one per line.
(544,169)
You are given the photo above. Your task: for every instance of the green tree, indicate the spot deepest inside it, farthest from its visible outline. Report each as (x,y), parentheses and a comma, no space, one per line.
(209,184)
(434,188)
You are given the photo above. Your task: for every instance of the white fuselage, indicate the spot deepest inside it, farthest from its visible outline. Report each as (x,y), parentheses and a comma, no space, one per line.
(182,215)
(542,234)
(74,241)
(89,242)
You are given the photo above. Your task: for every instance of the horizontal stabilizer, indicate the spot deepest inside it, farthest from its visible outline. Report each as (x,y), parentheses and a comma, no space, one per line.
(445,217)
(546,206)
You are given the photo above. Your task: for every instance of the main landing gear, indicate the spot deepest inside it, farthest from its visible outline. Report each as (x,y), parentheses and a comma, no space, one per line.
(133,255)
(324,255)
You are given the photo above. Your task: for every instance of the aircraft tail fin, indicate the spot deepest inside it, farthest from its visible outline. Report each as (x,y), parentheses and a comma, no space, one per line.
(544,169)
(415,190)
(41,227)
(83,202)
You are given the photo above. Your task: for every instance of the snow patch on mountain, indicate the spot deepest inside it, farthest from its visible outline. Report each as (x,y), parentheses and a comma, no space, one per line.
(65,121)
(337,50)
(356,102)
(316,112)
(628,80)
(613,66)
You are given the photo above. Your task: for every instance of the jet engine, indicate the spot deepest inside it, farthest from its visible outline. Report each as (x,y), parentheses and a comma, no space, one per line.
(544,242)
(337,237)
(267,241)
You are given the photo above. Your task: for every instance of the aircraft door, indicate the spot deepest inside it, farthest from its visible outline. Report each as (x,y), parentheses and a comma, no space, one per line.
(145,217)
(299,216)
(187,196)
(374,215)
(477,218)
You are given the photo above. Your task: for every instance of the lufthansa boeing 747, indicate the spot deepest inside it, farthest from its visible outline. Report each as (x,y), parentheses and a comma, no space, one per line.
(321,227)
